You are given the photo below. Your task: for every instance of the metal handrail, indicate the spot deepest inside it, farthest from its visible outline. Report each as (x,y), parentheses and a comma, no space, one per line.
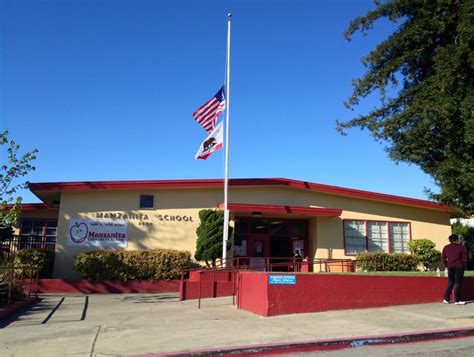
(236,266)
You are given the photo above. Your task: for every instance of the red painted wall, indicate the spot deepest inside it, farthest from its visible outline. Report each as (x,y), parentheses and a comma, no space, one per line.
(322,292)
(59,286)
(190,289)
(210,276)
(254,292)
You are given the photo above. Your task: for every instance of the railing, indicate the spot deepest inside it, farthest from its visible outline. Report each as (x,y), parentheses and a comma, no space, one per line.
(279,264)
(294,265)
(267,264)
(12,245)
(17,283)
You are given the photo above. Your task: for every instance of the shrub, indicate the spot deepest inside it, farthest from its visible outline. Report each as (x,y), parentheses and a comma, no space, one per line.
(386,262)
(17,289)
(132,265)
(35,260)
(424,250)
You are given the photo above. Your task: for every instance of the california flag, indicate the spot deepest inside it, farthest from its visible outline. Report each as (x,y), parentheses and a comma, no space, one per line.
(212,143)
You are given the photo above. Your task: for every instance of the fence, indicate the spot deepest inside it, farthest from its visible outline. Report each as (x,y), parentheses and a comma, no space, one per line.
(17,283)
(12,245)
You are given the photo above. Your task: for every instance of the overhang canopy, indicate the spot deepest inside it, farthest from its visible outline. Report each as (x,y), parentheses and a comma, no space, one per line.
(280,209)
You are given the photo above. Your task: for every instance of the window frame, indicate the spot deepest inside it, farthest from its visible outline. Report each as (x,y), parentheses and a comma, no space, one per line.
(369,238)
(366,221)
(42,240)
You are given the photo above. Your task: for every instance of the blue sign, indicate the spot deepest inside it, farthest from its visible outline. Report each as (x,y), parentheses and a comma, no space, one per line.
(282,279)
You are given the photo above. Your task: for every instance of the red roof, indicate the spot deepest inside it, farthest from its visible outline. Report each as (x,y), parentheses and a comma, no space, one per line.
(211,183)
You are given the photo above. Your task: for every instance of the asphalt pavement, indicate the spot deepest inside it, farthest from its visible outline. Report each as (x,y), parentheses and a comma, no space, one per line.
(160,324)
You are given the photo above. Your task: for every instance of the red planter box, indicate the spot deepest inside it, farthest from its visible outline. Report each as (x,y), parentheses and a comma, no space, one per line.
(322,292)
(59,286)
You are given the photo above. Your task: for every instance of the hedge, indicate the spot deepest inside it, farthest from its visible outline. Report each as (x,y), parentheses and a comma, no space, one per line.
(124,265)
(386,262)
(35,260)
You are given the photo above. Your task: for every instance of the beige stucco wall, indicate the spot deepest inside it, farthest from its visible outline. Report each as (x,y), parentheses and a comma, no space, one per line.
(142,234)
(325,233)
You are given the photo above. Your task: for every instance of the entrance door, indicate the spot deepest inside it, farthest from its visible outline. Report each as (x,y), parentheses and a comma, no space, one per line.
(258,247)
(280,248)
(258,251)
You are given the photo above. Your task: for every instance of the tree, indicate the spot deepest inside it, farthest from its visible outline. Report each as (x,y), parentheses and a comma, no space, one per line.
(14,168)
(465,232)
(210,232)
(466,236)
(429,62)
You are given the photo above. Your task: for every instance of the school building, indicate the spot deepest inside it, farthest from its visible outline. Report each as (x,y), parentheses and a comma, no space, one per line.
(272,217)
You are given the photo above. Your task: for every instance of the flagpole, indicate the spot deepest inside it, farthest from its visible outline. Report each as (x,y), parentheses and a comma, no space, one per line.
(226,178)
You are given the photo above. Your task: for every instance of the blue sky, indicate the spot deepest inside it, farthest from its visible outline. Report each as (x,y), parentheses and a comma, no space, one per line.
(105,90)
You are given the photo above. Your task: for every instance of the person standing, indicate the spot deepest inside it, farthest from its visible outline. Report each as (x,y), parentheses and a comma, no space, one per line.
(297,259)
(454,256)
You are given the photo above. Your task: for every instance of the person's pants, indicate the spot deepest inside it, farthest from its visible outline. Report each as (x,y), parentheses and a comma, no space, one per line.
(455,276)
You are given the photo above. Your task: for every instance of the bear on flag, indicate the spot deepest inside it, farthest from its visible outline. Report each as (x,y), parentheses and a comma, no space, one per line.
(213,142)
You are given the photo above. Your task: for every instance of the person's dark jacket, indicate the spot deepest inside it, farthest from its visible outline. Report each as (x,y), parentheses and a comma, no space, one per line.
(454,255)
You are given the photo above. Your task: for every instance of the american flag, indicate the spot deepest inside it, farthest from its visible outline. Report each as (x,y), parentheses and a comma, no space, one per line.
(207,114)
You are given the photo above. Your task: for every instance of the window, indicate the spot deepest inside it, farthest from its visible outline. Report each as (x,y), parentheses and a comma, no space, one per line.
(399,237)
(241,226)
(146,201)
(372,236)
(38,233)
(298,229)
(355,238)
(258,226)
(377,237)
(279,227)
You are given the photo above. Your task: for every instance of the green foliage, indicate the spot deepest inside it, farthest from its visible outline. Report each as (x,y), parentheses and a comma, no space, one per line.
(386,262)
(210,233)
(124,265)
(12,171)
(34,260)
(424,250)
(429,62)
(17,289)
(464,232)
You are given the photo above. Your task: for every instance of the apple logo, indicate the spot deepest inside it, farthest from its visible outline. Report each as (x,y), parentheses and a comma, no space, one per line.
(78,232)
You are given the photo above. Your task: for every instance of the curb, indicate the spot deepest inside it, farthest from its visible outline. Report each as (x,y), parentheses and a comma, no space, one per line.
(325,345)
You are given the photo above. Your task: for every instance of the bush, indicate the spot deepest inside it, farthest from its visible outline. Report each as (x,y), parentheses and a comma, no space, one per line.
(17,290)
(386,262)
(35,260)
(424,250)
(127,265)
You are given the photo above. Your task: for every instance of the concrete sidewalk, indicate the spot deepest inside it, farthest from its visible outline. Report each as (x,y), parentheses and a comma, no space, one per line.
(137,324)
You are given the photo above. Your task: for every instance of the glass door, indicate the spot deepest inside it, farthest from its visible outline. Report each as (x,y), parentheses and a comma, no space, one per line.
(258,252)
